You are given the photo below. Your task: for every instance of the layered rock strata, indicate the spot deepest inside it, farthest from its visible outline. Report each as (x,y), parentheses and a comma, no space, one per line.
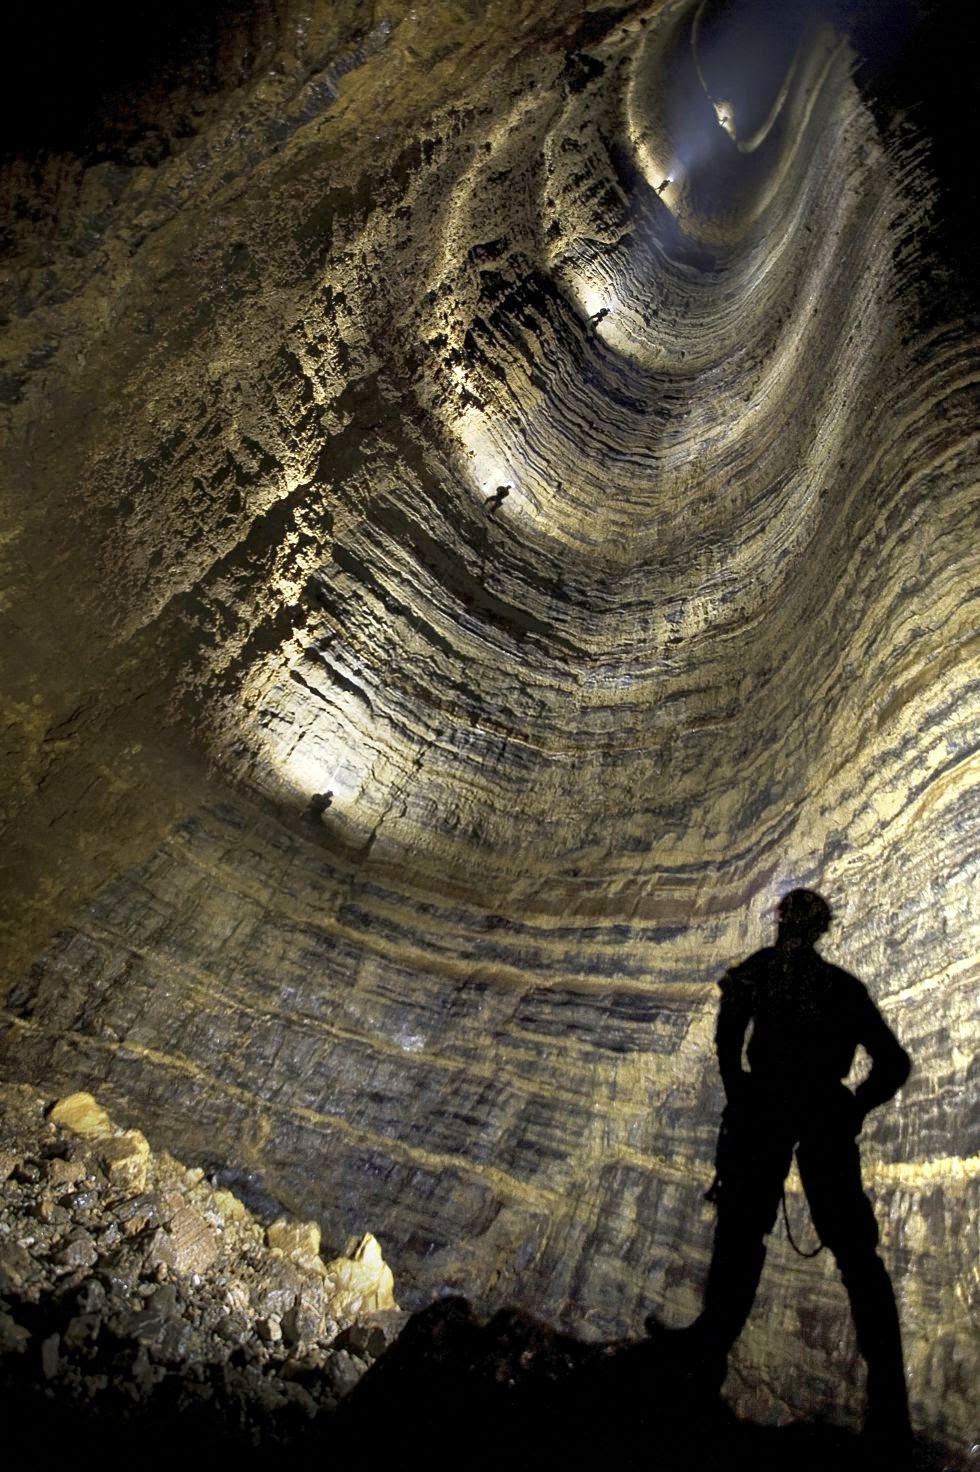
(489,512)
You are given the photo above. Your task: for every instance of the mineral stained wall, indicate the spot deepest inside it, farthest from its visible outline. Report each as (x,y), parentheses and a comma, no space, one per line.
(487,510)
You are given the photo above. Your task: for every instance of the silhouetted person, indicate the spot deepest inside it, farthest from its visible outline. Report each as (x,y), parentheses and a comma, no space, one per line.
(805,1019)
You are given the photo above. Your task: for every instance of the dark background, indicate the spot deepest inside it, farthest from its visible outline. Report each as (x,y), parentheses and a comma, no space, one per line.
(126,80)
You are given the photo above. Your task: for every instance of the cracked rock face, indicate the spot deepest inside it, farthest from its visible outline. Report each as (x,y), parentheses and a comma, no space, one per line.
(490,507)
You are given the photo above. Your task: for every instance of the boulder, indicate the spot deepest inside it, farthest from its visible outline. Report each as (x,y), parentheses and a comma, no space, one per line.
(82,1115)
(78,1252)
(190,1246)
(299,1240)
(362,1282)
(125,1159)
(61,1172)
(14,1338)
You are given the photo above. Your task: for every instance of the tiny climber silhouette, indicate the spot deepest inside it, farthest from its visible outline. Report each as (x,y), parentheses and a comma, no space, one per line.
(804,1019)
(493,503)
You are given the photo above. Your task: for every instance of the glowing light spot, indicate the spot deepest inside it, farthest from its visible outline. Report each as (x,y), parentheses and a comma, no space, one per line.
(484,469)
(310,770)
(725,113)
(591,299)
(664,179)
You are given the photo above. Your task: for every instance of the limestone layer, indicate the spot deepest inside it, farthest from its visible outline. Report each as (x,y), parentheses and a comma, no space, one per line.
(489,509)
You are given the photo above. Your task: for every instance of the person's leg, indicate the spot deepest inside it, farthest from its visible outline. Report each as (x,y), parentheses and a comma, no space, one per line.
(830,1169)
(754,1158)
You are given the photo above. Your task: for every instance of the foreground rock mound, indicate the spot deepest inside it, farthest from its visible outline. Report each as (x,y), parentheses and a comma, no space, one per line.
(143,1307)
(131,1285)
(513,1393)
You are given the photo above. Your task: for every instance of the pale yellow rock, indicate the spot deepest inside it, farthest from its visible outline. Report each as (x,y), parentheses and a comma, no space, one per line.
(125,1158)
(294,1239)
(363,1282)
(168,1165)
(82,1115)
(228,1206)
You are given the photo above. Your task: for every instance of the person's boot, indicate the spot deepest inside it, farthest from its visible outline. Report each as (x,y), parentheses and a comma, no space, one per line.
(697,1353)
(886,1422)
(887,1429)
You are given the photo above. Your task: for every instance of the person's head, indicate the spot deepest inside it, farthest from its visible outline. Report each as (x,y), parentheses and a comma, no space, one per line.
(803,915)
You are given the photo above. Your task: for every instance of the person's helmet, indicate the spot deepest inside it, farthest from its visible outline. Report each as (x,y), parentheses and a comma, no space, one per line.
(805,910)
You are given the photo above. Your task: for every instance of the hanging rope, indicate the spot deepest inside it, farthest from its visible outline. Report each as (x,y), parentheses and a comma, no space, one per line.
(792,1242)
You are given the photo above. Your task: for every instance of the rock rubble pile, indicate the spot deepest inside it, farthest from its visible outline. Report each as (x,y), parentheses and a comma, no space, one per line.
(131,1284)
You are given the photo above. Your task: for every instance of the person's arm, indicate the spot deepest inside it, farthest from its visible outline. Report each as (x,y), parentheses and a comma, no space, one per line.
(733,1020)
(890,1064)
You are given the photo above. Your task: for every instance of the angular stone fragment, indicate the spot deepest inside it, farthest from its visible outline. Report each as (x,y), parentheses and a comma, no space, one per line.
(234,1328)
(50,1358)
(342,1372)
(228,1206)
(121,1272)
(294,1239)
(303,1322)
(51,1212)
(14,1338)
(125,1159)
(91,1296)
(16,1267)
(83,1202)
(82,1329)
(79,1252)
(146,1375)
(160,1252)
(236,1297)
(82,1115)
(194,1244)
(167,1339)
(276,1290)
(365,1338)
(163,1301)
(362,1282)
(137,1213)
(61,1172)
(300,1396)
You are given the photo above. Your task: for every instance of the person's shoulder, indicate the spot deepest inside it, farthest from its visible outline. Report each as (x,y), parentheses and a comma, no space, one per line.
(746,973)
(843,982)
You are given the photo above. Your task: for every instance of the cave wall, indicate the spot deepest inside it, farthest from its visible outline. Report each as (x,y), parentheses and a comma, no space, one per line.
(264,387)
